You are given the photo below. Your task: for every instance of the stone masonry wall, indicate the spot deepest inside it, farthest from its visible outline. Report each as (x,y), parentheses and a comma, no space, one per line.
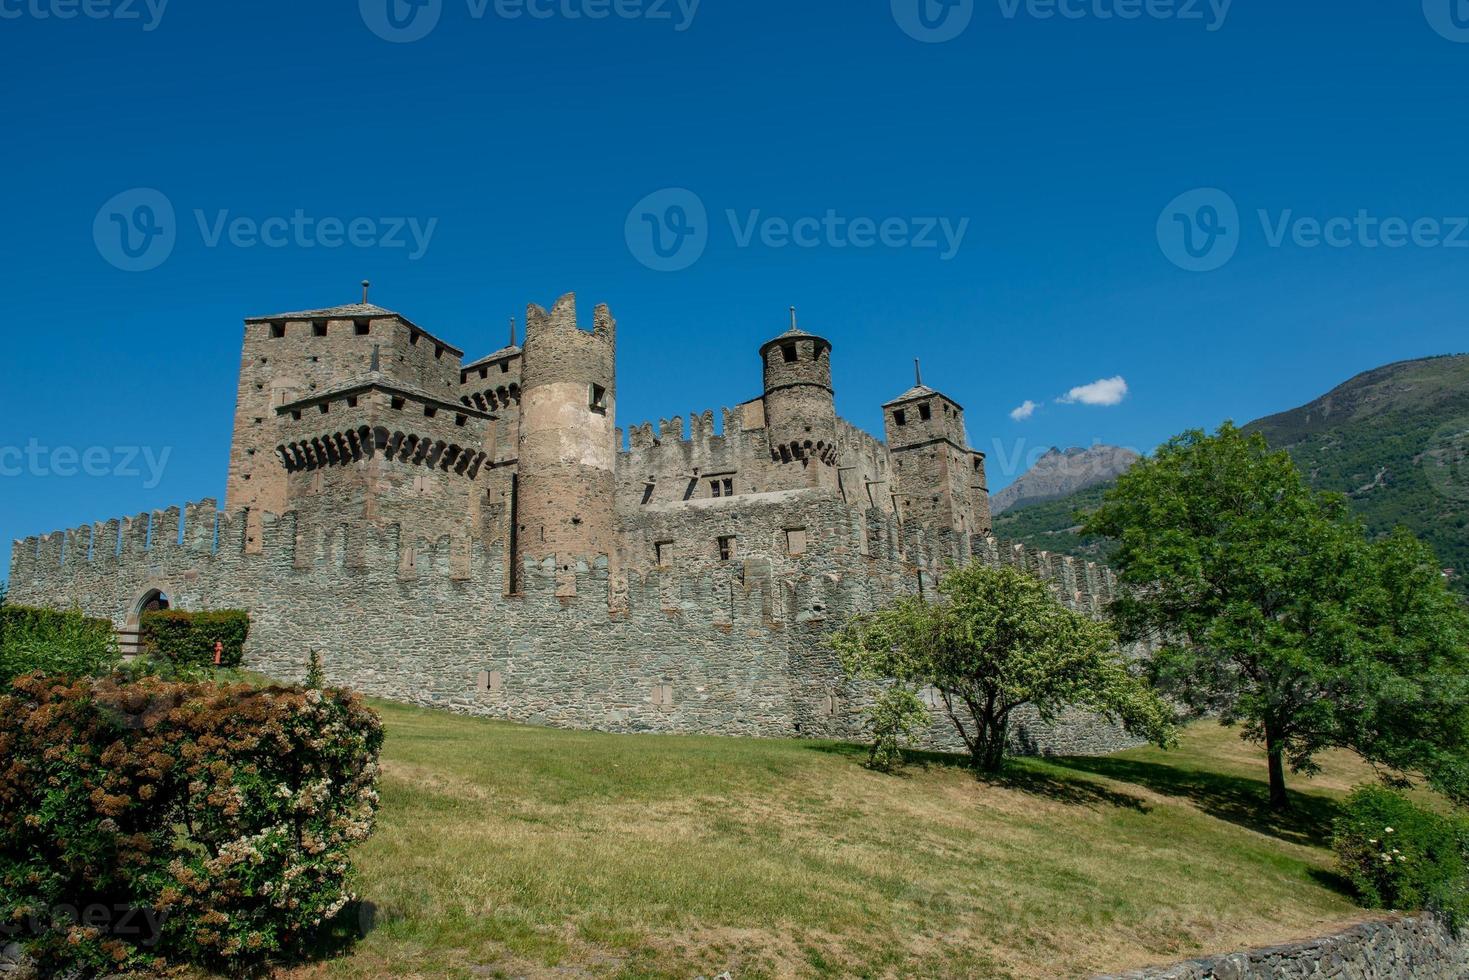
(708,646)
(1421,948)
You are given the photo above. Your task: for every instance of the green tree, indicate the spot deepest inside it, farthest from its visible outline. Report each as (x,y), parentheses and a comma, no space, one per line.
(996,641)
(1267,605)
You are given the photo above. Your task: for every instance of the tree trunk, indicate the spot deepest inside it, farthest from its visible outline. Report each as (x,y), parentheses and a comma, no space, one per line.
(996,730)
(1275,750)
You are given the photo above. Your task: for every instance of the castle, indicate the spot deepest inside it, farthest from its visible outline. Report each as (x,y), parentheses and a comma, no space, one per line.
(482,537)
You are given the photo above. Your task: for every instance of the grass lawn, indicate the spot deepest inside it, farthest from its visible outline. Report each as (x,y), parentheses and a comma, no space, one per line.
(511,851)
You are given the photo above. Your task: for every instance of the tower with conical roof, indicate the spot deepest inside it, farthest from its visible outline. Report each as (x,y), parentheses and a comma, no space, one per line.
(800,414)
(939,482)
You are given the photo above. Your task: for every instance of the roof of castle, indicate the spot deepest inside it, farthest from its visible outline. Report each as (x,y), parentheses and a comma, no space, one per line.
(794,333)
(349,312)
(493,356)
(378,380)
(916,392)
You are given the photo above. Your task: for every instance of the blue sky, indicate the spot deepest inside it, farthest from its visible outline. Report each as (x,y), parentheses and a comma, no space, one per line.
(1051,148)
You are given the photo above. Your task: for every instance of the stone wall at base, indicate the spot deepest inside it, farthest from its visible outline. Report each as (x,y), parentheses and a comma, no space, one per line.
(1420,947)
(706,645)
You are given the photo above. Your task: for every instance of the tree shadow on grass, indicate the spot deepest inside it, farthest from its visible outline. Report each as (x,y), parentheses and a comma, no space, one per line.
(1237,799)
(1017,775)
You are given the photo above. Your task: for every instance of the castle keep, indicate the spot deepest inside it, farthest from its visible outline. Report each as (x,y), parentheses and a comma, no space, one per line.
(482,537)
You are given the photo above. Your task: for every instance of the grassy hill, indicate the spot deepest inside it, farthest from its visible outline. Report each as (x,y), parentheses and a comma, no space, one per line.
(511,851)
(1392,439)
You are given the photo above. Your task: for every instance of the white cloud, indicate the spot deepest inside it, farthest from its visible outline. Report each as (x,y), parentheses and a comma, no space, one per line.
(1025,411)
(1108,391)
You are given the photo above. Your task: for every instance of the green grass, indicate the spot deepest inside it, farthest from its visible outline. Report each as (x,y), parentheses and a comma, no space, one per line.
(512,851)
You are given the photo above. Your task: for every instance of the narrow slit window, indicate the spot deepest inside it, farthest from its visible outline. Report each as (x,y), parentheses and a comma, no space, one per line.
(663,554)
(727,548)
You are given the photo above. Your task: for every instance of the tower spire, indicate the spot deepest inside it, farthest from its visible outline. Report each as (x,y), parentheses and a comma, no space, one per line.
(793,319)
(365,287)
(917,372)
(512,331)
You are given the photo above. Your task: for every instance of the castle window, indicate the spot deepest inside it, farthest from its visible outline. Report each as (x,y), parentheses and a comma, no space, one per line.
(795,541)
(324,407)
(597,399)
(429,411)
(789,352)
(715,488)
(461,420)
(296,416)
(438,352)
(663,554)
(351,401)
(362,327)
(318,328)
(727,548)
(925,411)
(900,417)
(728,487)
(397,403)
(663,697)
(277,331)
(484,372)
(505,367)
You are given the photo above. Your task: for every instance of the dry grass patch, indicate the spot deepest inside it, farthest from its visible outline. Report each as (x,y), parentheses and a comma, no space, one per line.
(513,851)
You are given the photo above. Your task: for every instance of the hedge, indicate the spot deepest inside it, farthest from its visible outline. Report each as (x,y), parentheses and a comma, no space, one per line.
(149,824)
(53,642)
(189,638)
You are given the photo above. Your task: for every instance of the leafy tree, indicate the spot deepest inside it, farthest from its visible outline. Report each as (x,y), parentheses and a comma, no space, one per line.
(997,641)
(1268,606)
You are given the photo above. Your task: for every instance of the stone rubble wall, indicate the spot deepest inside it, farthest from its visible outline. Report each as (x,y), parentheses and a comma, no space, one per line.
(729,648)
(1413,948)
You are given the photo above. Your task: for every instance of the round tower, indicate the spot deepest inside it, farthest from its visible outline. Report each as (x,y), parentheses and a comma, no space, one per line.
(568,440)
(800,415)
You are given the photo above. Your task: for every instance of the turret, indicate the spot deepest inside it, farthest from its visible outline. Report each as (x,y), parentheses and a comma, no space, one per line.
(800,415)
(939,481)
(568,447)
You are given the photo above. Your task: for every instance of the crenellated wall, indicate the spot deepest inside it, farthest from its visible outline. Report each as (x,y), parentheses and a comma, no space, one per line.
(701,644)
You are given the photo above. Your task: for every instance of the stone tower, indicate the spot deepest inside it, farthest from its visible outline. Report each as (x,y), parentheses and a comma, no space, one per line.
(939,481)
(800,415)
(568,443)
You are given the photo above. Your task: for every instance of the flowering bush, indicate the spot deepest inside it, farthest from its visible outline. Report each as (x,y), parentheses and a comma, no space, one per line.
(146,822)
(1401,856)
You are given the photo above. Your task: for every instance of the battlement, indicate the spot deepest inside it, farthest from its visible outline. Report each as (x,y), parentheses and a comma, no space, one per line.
(562,319)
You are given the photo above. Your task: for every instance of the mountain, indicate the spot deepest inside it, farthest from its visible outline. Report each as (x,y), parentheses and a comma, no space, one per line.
(1061,473)
(1395,440)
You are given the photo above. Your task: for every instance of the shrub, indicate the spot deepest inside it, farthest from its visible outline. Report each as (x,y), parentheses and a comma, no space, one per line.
(65,643)
(189,638)
(209,824)
(1401,856)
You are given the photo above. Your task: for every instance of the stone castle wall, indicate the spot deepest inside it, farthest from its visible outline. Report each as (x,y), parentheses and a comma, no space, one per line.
(704,646)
